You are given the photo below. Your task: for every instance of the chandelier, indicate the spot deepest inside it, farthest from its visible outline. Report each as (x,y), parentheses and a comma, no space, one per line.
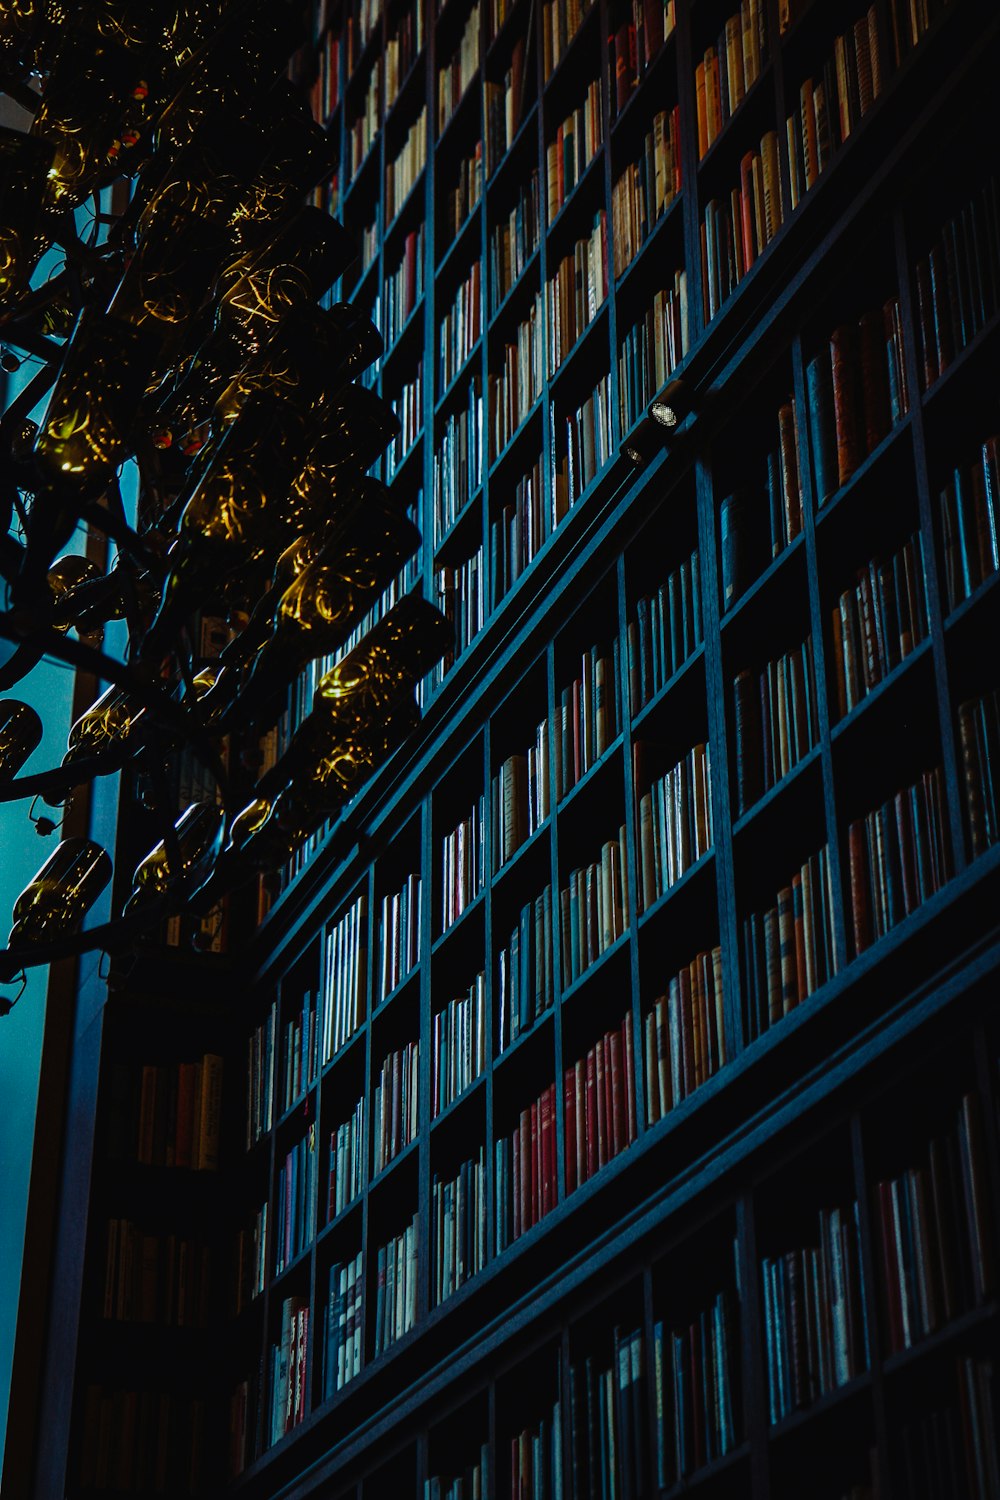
(187,338)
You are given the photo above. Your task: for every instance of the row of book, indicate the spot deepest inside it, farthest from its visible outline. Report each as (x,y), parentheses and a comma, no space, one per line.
(599,1104)
(561,20)
(729,70)
(347,1162)
(362,18)
(344,976)
(536,1471)
(593,909)
(646,188)
(516,384)
(576,291)
(461,597)
(788,949)
(342,1325)
(576,142)
(936,1236)
(463,864)
(473,1483)
(301,1053)
(396,1294)
(519,530)
(684,1035)
(155,1278)
(406,166)
(738,228)
(460,327)
(584,442)
(608,1421)
(666,629)
(396,1103)
(952,1449)
(514,241)
(636,42)
(524,971)
(857,391)
(970,520)
(698,1390)
(878,622)
(757,524)
(833,104)
(958,282)
(504,104)
(525,1182)
(402,50)
(897,858)
(144,1442)
(588,717)
(815,1323)
(458,460)
(457,203)
(399,929)
(458,1228)
(675,820)
(363,129)
(295,1200)
(458,1043)
(979,744)
(250,1260)
(168,1114)
(775,719)
(325,93)
(408,404)
(652,349)
(288,1365)
(403,287)
(520,797)
(455,75)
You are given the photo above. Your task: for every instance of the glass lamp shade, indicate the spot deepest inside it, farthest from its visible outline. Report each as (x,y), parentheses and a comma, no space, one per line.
(199,831)
(22,24)
(259,840)
(107,728)
(342,756)
(64,578)
(20,734)
(298,154)
(170,273)
(55,903)
(82,117)
(24,167)
(404,645)
(87,427)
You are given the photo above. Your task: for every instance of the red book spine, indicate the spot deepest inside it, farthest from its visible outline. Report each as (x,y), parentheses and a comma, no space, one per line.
(545,1131)
(516,1184)
(629,1059)
(619,1138)
(526,1169)
(591,1112)
(535,1174)
(569,1104)
(895,1316)
(602,1104)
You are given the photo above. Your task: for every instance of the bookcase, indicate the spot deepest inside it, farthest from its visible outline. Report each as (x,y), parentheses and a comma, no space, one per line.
(610,1101)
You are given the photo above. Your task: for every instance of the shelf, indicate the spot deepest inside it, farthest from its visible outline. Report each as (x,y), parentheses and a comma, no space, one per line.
(464,373)
(830,1401)
(394,1168)
(570,209)
(651,708)
(462,921)
(519,291)
(403,985)
(411,197)
(452,541)
(750,597)
(521,855)
(707,1473)
(756,99)
(841,497)
(594,970)
(512,449)
(460,247)
(761,808)
(407,86)
(459,1104)
(557,377)
(590,775)
(888,685)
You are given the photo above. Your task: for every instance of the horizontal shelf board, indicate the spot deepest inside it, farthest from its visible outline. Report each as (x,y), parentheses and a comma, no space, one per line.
(639,99)
(978,596)
(290,1268)
(409,981)
(841,496)
(692,873)
(519,858)
(361,292)
(457,249)
(344,1053)
(638,267)
(450,131)
(368,52)
(858,713)
(478,901)
(761,582)
(460,1102)
(587,182)
(399,219)
(497,177)
(408,460)
(591,773)
(895,1365)
(518,440)
(463,375)
(685,669)
(334,1227)
(593,970)
(757,97)
(831,1401)
(364,174)
(404,337)
(469,519)
(407,86)
(558,375)
(501,316)
(408,1153)
(568,65)
(960,363)
(707,1473)
(760,807)
(288,1116)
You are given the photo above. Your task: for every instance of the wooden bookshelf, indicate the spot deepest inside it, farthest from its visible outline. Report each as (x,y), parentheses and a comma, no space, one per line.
(752,1099)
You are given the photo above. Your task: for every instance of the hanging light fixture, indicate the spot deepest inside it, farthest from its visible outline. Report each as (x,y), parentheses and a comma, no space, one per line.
(184,335)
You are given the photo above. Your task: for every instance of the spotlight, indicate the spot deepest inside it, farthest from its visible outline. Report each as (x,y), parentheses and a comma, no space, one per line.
(671,406)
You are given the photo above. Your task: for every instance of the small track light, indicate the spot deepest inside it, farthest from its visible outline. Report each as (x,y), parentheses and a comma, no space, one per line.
(671,406)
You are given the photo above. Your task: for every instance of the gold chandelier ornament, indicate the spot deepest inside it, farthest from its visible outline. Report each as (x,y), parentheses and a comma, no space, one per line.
(192,405)
(54,904)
